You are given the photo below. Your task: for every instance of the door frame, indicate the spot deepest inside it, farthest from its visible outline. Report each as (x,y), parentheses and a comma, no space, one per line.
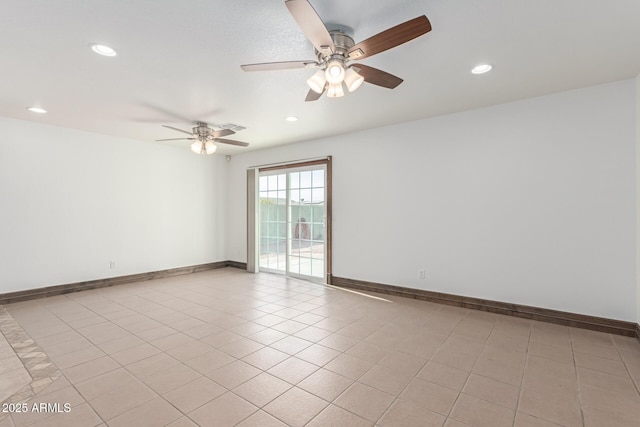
(253,175)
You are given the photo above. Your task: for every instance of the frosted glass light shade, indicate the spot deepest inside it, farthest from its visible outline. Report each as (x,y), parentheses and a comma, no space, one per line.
(197,147)
(210,147)
(335,90)
(317,81)
(335,71)
(353,80)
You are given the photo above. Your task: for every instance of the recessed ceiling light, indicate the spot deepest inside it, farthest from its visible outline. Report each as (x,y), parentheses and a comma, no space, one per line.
(103,50)
(291,118)
(38,110)
(481,69)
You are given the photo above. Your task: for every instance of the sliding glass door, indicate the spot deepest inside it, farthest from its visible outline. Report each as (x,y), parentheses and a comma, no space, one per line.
(293,221)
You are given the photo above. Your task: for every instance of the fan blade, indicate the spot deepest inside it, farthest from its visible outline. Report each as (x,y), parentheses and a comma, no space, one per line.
(311,25)
(377,77)
(179,130)
(175,139)
(286,65)
(232,142)
(222,132)
(312,95)
(390,38)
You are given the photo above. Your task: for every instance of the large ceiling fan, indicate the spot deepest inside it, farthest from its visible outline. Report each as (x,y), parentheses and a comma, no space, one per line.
(335,50)
(206,138)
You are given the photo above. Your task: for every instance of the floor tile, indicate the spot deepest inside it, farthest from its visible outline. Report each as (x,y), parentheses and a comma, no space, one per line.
(407,414)
(293,370)
(156,412)
(194,344)
(318,354)
(526,420)
(262,389)
(105,383)
(152,365)
(194,394)
(444,375)
(349,366)
(492,391)
(265,358)
(612,383)
(210,361)
(335,416)
(480,413)
(325,384)
(555,408)
(390,380)
(267,336)
(296,407)
(432,396)
(134,354)
(171,378)
(241,347)
(225,411)
(364,401)
(80,416)
(234,374)
(189,350)
(117,402)
(261,419)
(90,369)
(291,344)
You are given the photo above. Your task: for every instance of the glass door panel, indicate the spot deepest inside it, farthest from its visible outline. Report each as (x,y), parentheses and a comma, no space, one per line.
(272,194)
(307,223)
(293,222)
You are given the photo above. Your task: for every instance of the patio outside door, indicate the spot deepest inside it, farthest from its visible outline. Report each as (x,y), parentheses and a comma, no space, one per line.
(292,221)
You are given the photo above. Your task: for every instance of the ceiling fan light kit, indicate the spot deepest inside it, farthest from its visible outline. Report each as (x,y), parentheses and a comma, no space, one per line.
(317,82)
(334,50)
(335,90)
(205,138)
(335,71)
(353,80)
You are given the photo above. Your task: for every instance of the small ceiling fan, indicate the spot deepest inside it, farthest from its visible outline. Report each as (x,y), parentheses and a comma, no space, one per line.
(205,138)
(335,50)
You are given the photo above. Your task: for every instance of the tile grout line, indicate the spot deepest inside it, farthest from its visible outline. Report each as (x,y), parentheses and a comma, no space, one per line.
(524,369)
(575,369)
(626,367)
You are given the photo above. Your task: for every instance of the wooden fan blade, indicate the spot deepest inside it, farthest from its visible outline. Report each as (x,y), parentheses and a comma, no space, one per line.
(377,77)
(222,132)
(232,142)
(311,25)
(179,130)
(390,38)
(269,66)
(312,95)
(175,139)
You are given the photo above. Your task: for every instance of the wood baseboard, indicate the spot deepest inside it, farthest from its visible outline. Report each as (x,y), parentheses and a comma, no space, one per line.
(612,326)
(237,264)
(638,332)
(50,291)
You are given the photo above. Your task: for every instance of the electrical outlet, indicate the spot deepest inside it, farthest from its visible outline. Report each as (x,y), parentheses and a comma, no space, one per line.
(422,274)
(112,264)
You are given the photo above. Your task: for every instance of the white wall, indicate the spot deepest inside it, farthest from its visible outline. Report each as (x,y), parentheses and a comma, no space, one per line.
(531,202)
(72,201)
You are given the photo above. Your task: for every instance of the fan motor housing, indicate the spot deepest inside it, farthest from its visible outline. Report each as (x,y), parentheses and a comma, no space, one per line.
(343,43)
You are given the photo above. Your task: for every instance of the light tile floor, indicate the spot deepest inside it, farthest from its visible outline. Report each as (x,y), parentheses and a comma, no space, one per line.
(225,348)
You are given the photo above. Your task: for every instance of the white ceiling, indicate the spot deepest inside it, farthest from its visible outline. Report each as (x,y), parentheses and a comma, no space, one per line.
(179,61)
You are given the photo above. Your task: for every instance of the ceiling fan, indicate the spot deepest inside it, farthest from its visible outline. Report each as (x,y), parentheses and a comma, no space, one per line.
(205,138)
(335,50)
